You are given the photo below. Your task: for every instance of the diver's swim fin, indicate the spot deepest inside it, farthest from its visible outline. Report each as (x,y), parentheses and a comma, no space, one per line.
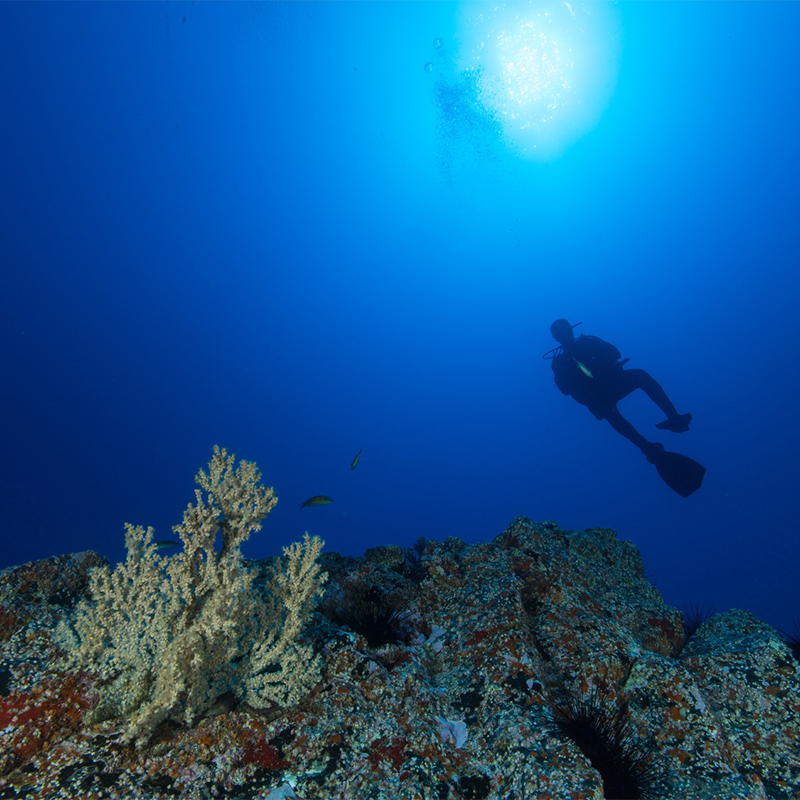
(679,424)
(681,473)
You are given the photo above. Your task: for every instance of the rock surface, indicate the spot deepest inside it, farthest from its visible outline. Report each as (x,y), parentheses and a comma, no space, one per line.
(443,669)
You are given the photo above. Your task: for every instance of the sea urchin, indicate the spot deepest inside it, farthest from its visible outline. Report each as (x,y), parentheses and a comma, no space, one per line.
(603,732)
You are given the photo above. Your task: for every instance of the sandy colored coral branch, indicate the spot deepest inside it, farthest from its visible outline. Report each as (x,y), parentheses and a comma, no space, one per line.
(279,669)
(176,632)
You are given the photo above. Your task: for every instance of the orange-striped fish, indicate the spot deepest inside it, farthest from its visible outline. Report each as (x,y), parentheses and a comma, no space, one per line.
(318,500)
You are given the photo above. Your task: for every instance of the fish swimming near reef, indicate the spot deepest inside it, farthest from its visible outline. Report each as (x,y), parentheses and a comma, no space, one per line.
(354,462)
(318,500)
(166,544)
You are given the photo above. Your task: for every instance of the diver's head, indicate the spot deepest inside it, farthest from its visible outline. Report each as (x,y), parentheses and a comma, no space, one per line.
(562,332)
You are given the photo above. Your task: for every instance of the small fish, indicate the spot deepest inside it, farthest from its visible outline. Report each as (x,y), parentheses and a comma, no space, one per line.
(317,500)
(584,369)
(354,462)
(167,544)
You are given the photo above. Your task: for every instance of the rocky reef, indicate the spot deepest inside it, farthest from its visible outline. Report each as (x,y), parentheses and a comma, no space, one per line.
(539,665)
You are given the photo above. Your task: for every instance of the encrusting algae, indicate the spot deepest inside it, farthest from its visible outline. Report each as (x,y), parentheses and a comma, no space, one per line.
(459,699)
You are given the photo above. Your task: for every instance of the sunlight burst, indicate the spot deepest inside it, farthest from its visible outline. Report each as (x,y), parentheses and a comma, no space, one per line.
(546,69)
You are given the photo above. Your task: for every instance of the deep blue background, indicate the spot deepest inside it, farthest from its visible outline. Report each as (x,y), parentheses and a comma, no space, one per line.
(252,226)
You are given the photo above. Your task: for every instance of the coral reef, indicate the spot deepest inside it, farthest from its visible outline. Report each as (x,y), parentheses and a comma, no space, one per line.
(174,633)
(498,637)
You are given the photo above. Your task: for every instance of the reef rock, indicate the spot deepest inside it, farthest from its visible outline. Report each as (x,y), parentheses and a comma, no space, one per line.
(446,670)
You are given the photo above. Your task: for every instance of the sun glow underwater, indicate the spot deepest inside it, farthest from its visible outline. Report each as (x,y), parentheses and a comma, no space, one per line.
(545,70)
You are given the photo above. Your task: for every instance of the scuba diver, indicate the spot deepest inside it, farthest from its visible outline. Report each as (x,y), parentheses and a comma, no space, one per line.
(589,369)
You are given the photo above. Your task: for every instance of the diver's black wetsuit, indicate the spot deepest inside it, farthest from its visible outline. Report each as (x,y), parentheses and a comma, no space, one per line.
(599,391)
(603,382)
(589,369)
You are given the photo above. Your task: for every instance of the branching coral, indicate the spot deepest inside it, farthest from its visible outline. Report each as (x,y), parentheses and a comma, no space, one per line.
(176,632)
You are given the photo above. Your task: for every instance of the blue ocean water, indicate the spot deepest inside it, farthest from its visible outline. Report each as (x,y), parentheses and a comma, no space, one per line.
(298,230)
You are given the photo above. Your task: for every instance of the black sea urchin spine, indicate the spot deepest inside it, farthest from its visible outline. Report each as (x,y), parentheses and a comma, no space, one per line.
(603,732)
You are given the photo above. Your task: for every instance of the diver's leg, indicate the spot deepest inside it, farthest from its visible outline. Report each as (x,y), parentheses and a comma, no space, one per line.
(676,422)
(639,379)
(622,426)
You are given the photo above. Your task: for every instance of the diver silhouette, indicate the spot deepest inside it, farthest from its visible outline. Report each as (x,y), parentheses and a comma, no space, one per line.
(589,370)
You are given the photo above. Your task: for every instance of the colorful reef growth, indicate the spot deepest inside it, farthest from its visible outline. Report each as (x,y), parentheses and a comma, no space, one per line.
(519,668)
